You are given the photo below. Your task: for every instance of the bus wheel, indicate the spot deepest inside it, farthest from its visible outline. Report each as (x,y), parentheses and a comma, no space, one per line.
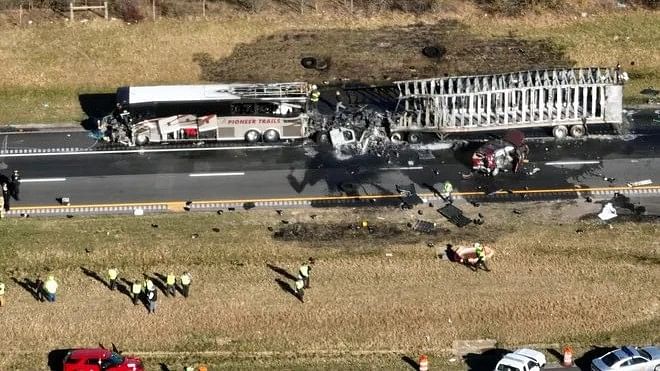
(271,136)
(414,138)
(141,139)
(560,132)
(396,137)
(577,131)
(252,136)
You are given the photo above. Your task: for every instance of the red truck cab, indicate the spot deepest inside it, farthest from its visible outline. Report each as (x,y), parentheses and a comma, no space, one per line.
(99,359)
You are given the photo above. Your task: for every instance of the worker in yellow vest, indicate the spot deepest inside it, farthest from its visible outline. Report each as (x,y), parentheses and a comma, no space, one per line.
(314,97)
(136,290)
(169,283)
(186,279)
(2,294)
(112,278)
(481,257)
(50,288)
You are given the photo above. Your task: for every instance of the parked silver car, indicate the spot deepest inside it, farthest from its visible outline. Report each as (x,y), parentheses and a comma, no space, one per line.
(629,359)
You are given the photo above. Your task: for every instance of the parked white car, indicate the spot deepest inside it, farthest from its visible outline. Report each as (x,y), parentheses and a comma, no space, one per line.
(629,359)
(522,360)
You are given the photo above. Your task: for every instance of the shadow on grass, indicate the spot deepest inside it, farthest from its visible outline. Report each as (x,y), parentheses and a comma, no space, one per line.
(411,362)
(286,287)
(30,286)
(283,272)
(97,105)
(56,359)
(94,275)
(485,360)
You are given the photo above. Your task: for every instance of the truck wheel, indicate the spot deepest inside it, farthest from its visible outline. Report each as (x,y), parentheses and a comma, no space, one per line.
(271,136)
(396,137)
(252,136)
(414,138)
(560,132)
(578,131)
(308,62)
(141,139)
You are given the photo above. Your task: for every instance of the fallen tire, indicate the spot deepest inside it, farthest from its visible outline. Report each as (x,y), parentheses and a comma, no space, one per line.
(308,62)
(321,64)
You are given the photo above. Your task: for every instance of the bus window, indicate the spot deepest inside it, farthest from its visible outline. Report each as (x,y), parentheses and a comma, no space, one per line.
(238,109)
(265,109)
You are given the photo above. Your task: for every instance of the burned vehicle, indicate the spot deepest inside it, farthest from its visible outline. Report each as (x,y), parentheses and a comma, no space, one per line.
(501,155)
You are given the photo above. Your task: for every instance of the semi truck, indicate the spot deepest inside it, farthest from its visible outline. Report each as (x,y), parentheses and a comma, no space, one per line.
(563,100)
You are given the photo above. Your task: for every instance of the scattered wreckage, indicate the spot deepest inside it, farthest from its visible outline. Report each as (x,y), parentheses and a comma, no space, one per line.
(507,154)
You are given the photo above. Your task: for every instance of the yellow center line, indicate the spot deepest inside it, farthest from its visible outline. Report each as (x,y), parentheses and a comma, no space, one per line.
(179,205)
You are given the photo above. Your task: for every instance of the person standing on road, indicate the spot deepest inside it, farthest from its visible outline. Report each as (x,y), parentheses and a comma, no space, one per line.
(299,289)
(2,294)
(5,196)
(481,257)
(152,297)
(446,192)
(50,288)
(305,270)
(15,184)
(136,290)
(112,277)
(170,282)
(314,97)
(186,279)
(340,102)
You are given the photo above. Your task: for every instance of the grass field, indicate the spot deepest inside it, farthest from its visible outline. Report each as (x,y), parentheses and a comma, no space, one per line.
(365,309)
(46,66)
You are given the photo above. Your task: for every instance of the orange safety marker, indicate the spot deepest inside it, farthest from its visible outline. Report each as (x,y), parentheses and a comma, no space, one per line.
(568,357)
(423,363)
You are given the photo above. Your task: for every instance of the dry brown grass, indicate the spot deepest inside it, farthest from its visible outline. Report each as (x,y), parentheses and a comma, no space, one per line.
(46,65)
(548,284)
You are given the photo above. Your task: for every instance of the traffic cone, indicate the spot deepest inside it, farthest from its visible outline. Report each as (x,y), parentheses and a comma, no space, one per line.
(568,357)
(423,363)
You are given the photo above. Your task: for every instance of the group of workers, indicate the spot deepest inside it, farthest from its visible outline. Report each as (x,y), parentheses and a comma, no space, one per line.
(145,290)
(315,96)
(9,190)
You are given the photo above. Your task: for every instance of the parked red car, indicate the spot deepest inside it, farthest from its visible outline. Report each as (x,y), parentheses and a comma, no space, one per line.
(100,359)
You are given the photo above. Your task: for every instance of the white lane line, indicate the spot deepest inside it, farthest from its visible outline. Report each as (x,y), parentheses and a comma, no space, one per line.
(559,163)
(401,168)
(215,174)
(140,151)
(38,180)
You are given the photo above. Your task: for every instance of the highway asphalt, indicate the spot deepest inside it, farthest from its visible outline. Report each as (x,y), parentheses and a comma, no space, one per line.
(70,169)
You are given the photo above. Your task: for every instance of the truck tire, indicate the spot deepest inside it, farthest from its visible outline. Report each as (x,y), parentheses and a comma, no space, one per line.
(560,132)
(578,131)
(396,137)
(252,136)
(271,136)
(414,138)
(141,139)
(308,62)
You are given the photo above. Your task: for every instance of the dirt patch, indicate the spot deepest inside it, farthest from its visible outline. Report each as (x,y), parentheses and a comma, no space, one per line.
(386,53)
(345,232)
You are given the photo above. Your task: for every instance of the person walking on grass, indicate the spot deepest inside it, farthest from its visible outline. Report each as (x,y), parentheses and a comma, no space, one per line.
(299,289)
(2,294)
(481,257)
(305,270)
(2,207)
(136,290)
(50,288)
(152,297)
(112,278)
(170,282)
(5,197)
(186,279)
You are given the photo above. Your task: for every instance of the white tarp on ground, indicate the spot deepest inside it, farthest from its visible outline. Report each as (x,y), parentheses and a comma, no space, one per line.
(608,212)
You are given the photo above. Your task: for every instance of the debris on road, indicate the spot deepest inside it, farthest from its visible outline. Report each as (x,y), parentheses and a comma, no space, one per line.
(640,183)
(534,171)
(423,226)
(455,215)
(409,197)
